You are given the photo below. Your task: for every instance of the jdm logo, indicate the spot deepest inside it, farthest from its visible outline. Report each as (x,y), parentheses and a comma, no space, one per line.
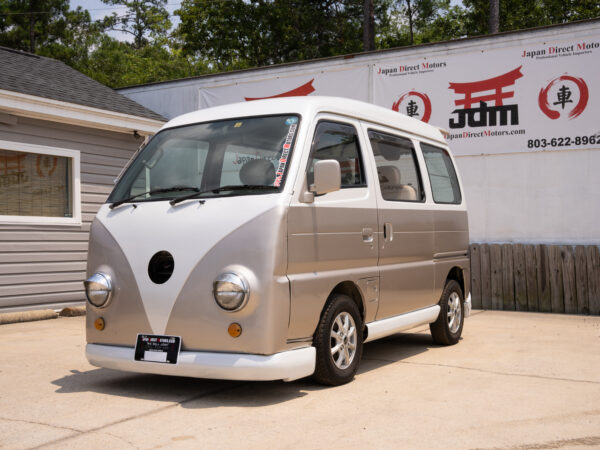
(414,104)
(564,93)
(477,95)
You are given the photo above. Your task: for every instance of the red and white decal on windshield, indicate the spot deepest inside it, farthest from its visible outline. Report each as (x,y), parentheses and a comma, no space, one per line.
(287,145)
(301,91)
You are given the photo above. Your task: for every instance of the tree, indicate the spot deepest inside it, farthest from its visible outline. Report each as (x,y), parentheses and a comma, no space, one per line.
(35,25)
(368,26)
(118,64)
(144,20)
(419,21)
(240,33)
(494,23)
(520,14)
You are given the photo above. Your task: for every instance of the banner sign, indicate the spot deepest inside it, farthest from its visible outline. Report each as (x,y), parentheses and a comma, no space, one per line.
(541,97)
(346,82)
(533,97)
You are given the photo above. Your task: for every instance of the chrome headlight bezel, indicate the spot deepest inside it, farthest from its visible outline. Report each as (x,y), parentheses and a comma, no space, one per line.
(231,291)
(98,289)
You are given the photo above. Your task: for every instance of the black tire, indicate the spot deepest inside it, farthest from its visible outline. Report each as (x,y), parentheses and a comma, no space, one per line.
(443,330)
(332,370)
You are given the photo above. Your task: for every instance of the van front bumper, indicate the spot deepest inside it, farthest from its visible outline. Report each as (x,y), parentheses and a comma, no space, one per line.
(287,366)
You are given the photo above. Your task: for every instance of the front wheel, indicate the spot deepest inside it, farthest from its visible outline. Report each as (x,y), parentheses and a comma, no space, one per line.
(446,330)
(338,341)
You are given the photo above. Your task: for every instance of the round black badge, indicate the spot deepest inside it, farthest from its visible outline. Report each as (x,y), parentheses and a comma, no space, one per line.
(161,267)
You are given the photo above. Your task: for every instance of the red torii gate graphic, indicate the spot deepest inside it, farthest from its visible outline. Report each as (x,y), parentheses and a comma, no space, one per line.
(496,84)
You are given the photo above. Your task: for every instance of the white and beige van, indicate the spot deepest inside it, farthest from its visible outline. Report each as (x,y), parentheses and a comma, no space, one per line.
(271,239)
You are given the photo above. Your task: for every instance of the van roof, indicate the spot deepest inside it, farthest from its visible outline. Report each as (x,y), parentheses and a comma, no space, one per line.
(309,106)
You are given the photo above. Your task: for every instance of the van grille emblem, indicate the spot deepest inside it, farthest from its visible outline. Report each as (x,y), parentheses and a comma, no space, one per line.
(161,267)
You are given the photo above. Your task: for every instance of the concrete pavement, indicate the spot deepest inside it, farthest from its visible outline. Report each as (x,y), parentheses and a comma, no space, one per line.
(516,380)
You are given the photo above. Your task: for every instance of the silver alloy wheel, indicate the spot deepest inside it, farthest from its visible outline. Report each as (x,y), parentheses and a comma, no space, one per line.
(343,340)
(454,312)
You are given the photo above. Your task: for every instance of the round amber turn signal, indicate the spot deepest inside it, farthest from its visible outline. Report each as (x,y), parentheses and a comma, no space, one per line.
(99,324)
(235,330)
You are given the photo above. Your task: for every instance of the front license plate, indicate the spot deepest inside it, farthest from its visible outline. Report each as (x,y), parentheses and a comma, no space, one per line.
(160,349)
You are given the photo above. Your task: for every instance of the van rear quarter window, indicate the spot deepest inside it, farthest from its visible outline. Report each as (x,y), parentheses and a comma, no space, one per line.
(444,182)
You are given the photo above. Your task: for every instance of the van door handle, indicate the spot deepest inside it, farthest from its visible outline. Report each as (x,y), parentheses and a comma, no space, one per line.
(367,235)
(388,232)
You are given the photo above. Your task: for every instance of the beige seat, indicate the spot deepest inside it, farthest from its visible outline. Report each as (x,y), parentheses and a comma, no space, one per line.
(391,188)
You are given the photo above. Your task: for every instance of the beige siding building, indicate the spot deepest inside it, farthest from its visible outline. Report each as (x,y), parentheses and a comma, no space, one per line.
(64,138)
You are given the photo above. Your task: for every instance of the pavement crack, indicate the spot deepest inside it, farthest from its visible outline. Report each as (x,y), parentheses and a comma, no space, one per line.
(33,422)
(494,372)
(121,438)
(138,416)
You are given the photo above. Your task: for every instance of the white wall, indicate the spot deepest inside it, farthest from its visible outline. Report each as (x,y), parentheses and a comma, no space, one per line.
(540,197)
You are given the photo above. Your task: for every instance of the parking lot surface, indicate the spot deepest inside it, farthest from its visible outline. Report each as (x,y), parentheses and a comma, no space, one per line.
(516,380)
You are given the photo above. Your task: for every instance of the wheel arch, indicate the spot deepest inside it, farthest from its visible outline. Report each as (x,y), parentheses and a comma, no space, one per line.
(350,289)
(456,273)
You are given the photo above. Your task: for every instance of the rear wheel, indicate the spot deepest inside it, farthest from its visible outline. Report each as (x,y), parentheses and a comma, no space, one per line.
(338,341)
(446,330)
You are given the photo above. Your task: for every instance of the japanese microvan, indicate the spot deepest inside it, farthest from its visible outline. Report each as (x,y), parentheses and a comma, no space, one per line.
(271,239)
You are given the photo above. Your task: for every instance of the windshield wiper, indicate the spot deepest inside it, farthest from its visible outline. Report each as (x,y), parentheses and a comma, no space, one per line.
(232,187)
(155,191)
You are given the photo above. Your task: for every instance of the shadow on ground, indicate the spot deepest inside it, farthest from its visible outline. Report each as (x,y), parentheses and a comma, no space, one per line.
(202,393)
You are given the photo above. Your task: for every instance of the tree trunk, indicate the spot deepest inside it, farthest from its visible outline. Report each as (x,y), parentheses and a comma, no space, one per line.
(494,24)
(410,21)
(32,26)
(368,26)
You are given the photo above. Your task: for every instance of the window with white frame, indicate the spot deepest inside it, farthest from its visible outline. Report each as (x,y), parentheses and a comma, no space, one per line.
(39,184)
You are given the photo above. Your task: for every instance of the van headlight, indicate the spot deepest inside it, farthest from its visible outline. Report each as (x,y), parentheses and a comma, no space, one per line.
(231,291)
(98,288)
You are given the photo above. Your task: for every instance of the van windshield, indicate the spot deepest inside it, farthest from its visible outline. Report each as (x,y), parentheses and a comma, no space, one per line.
(223,158)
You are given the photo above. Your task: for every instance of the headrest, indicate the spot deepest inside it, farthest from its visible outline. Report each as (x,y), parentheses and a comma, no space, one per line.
(388,175)
(257,171)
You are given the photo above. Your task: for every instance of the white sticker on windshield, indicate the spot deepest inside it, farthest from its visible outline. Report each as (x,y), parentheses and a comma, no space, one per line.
(284,155)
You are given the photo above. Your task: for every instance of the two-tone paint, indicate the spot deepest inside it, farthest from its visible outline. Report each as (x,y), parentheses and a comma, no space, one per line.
(293,252)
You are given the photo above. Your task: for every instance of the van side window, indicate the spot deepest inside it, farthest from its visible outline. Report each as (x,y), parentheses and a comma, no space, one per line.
(442,175)
(397,167)
(340,142)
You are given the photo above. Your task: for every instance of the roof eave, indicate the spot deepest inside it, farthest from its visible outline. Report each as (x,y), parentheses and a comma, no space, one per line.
(57,111)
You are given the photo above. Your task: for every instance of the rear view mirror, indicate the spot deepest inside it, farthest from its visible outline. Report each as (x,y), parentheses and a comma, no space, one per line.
(327,177)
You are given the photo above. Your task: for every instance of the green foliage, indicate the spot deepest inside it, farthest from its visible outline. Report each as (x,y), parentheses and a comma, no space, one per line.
(432,20)
(520,14)
(143,19)
(36,25)
(241,33)
(118,64)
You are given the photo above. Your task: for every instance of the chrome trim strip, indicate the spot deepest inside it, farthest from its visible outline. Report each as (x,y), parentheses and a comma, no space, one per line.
(445,255)
(306,340)
(287,366)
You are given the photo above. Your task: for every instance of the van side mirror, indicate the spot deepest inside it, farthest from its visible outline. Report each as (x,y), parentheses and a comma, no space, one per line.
(327,177)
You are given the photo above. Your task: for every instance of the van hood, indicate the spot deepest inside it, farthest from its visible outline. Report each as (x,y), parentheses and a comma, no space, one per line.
(187,231)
